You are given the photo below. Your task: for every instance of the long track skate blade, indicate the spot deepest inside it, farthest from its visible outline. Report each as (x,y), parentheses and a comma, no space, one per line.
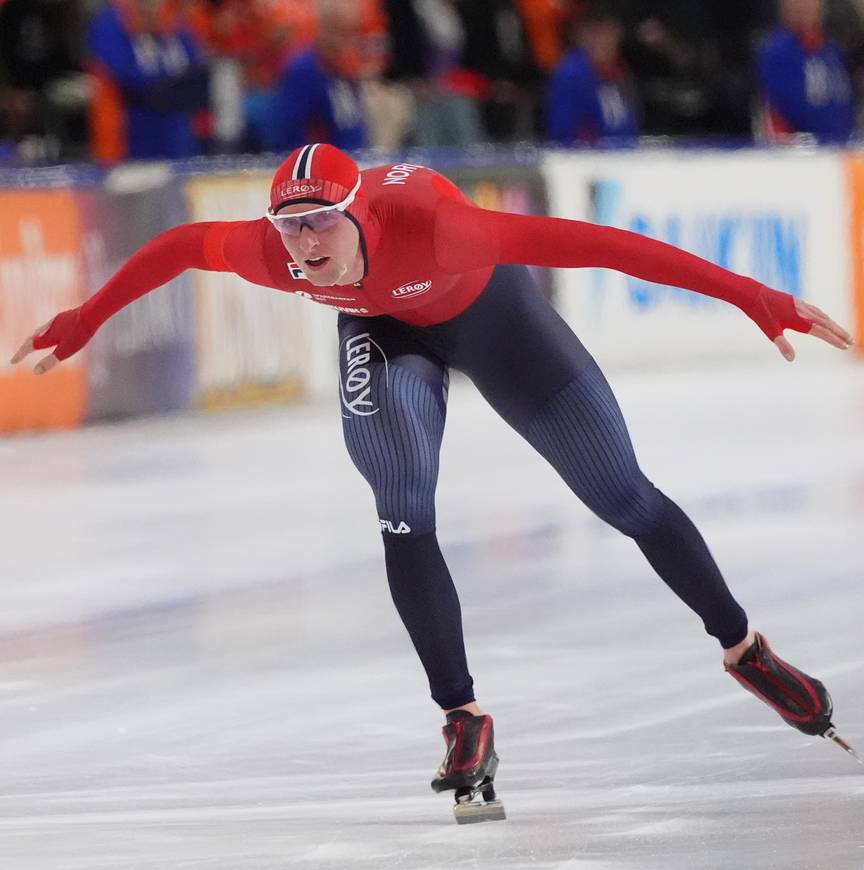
(469,812)
(831,734)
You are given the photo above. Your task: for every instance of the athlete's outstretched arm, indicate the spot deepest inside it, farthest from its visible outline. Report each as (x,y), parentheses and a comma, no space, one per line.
(468,238)
(191,246)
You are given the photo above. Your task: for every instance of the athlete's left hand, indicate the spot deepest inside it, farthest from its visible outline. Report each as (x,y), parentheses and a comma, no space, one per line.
(822,327)
(773,311)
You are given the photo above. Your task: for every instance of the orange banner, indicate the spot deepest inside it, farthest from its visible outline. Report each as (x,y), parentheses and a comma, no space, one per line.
(40,275)
(855,170)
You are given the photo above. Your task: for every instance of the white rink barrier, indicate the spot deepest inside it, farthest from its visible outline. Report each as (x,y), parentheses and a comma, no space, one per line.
(781,217)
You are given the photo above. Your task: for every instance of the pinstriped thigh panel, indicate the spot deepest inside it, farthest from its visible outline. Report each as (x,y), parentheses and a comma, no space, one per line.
(396,447)
(582,433)
(393,393)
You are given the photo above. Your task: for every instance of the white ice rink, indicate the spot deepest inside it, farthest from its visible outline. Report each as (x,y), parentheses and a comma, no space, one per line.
(200,666)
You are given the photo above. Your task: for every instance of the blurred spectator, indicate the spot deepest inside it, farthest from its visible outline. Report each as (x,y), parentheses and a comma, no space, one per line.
(150,82)
(252,39)
(692,63)
(43,91)
(590,95)
(545,23)
(404,78)
(803,78)
(497,49)
(470,66)
(318,96)
(409,42)
(446,98)
(387,104)
(851,38)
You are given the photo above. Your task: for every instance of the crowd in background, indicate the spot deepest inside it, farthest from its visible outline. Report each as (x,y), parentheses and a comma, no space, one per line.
(110,81)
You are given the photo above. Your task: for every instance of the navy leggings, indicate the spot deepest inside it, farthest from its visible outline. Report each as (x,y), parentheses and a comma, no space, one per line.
(534,371)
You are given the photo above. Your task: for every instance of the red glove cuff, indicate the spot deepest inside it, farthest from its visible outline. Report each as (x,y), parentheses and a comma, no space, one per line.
(774,311)
(67,332)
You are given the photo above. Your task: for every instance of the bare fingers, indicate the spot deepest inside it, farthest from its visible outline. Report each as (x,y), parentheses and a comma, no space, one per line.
(27,348)
(23,351)
(823,326)
(46,364)
(785,347)
(833,337)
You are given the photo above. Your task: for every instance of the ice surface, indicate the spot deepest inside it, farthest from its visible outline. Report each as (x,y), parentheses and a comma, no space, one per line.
(200,666)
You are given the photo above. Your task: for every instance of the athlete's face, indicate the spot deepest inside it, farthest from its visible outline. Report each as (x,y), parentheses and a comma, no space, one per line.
(329,254)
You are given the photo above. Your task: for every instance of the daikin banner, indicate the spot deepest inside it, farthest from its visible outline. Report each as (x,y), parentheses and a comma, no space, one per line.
(779,218)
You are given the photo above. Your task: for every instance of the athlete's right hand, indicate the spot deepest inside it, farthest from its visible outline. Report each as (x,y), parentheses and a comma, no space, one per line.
(66,333)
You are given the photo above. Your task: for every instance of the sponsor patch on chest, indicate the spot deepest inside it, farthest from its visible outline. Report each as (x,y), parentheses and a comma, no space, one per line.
(414,288)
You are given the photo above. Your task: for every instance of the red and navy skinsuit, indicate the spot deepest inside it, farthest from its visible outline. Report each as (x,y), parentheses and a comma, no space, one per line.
(445,286)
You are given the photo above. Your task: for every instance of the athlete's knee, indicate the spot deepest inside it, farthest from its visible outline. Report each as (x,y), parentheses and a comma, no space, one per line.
(393,427)
(635,508)
(406,503)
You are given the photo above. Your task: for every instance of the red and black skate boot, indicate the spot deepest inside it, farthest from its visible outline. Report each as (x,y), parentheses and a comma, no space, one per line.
(469,767)
(801,700)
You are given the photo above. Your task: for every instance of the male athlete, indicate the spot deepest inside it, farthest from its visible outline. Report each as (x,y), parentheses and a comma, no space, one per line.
(424,280)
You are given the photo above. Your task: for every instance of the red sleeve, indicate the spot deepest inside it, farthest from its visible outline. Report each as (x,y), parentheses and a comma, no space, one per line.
(191,246)
(467,237)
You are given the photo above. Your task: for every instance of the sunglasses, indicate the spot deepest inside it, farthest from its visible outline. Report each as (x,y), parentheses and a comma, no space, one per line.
(319,218)
(292,224)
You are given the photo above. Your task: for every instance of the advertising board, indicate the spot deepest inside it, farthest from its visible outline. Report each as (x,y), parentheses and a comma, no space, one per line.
(777,217)
(41,274)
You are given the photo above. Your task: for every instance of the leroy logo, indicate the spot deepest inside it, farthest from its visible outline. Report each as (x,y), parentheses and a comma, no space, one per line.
(406,291)
(358,354)
(295,188)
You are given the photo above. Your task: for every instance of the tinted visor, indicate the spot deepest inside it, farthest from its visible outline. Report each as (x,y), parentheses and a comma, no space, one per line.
(318,217)
(292,224)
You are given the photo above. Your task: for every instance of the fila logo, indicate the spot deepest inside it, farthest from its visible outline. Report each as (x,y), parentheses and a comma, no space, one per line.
(402,529)
(355,375)
(406,291)
(400,172)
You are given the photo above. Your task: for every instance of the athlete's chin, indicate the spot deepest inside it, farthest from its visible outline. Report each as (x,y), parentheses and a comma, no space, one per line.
(320,280)
(325,277)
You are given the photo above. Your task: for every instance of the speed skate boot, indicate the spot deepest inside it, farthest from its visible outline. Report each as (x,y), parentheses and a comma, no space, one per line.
(801,700)
(469,767)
